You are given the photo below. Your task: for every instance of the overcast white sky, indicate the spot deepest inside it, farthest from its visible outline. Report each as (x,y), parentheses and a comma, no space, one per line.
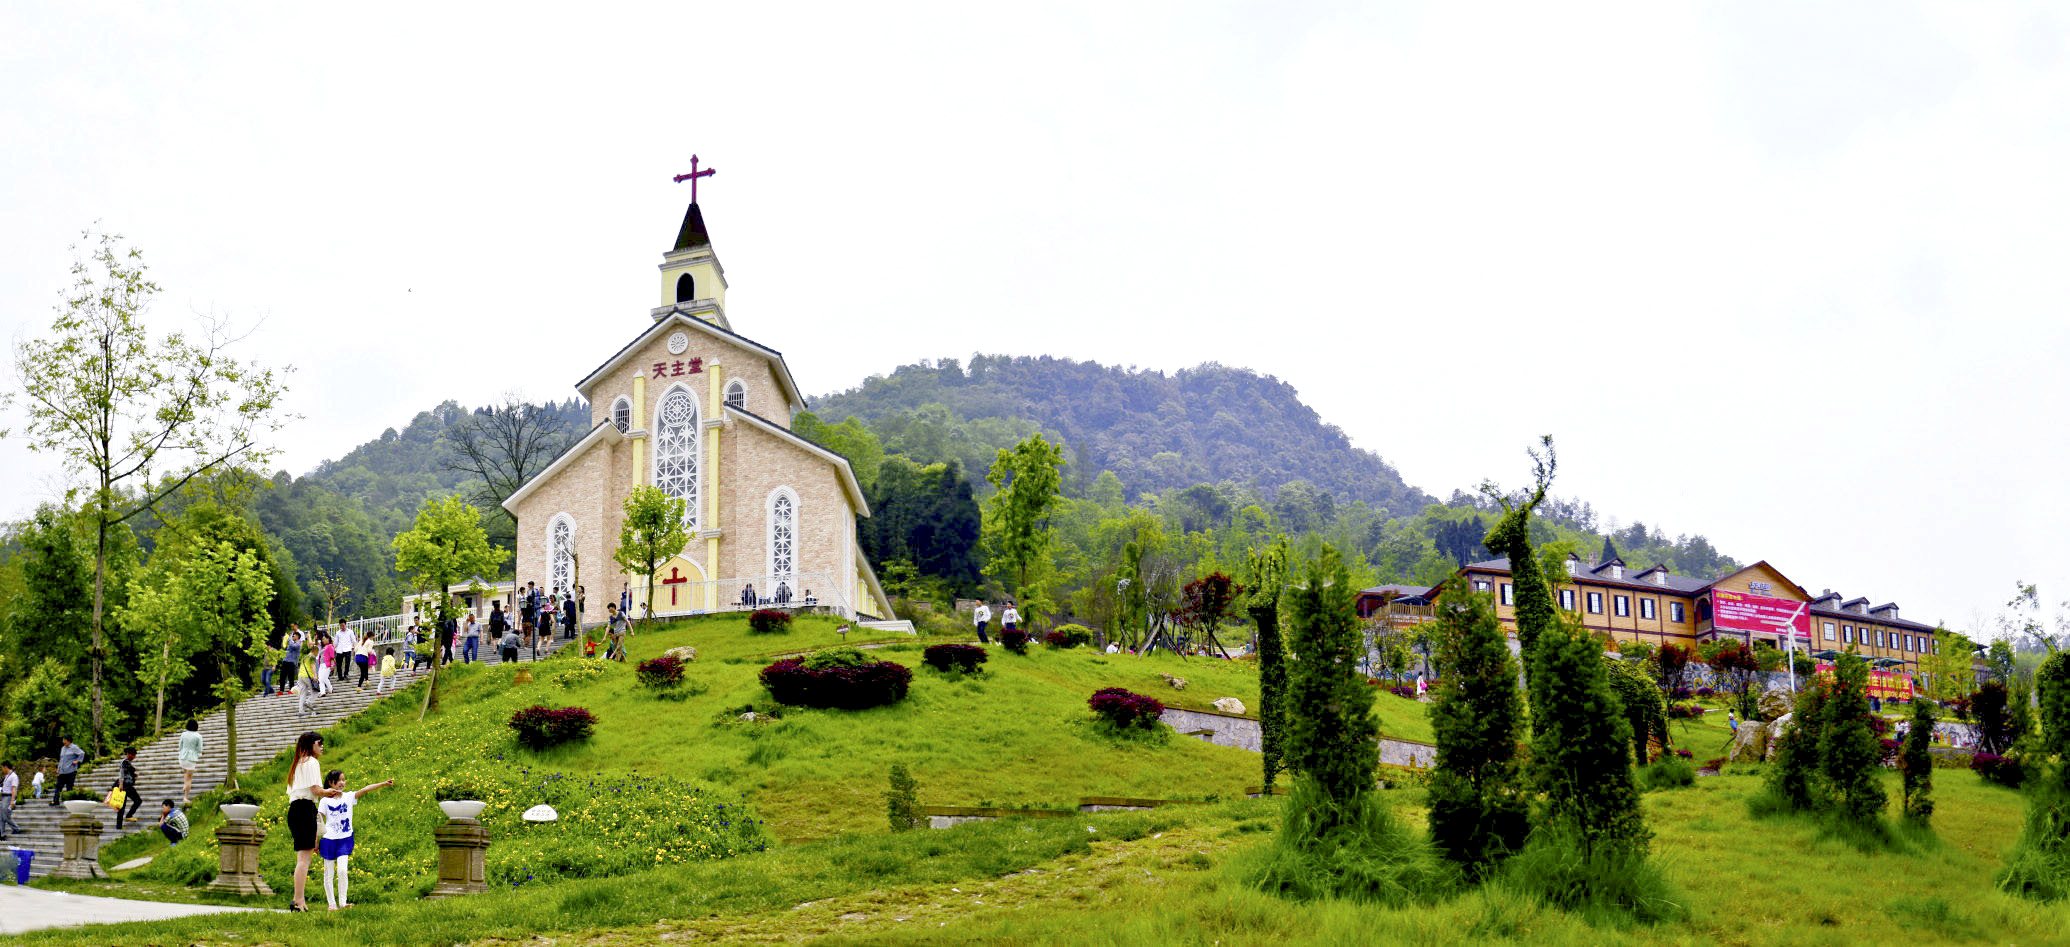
(1792,277)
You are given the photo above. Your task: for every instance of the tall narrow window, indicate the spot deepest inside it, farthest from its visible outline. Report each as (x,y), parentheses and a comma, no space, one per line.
(1595,603)
(1676,614)
(783,547)
(622,415)
(1567,599)
(1509,593)
(560,553)
(1624,606)
(736,395)
(675,450)
(686,288)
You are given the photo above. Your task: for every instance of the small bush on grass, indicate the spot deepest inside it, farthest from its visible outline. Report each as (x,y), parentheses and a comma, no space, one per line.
(455,790)
(1609,886)
(769,621)
(1363,855)
(662,673)
(1669,773)
(1123,709)
(1685,711)
(1015,640)
(540,728)
(902,802)
(840,678)
(954,657)
(238,797)
(1069,636)
(2001,770)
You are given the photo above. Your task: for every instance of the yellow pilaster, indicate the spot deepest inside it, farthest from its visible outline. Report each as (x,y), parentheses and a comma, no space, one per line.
(639,423)
(715,385)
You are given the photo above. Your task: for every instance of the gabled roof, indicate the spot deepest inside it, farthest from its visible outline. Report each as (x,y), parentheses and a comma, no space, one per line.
(783,371)
(848,481)
(1675,583)
(1851,603)
(604,431)
(1763,564)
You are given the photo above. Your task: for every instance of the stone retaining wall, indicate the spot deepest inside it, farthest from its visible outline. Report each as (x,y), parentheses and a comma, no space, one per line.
(1243,733)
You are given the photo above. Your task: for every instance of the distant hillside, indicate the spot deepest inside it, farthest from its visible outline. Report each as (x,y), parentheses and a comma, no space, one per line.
(1156,431)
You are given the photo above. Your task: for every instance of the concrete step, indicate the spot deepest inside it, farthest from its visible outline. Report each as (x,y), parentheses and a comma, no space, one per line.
(267,726)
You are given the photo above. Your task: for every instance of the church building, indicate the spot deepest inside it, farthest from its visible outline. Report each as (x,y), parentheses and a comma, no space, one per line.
(704,413)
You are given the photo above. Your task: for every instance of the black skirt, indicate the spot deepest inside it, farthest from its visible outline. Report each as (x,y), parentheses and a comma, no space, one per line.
(301,821)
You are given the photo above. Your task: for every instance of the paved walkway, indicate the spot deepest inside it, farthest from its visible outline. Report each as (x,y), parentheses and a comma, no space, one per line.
(32,909)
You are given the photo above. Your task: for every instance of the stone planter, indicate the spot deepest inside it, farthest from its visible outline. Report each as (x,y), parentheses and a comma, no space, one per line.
(238,811)
(237,863)
(462,845)
(82,853)
(81,806)
(467,809)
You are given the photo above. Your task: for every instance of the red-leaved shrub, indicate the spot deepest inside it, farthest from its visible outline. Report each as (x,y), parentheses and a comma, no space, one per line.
(541,727)
(841,686)
(1015,640)
(2003,770)
(954,657)
(1124,708)
(765,621)
(661,673)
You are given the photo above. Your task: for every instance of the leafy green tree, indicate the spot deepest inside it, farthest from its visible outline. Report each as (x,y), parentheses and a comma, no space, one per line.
(122,407)
(926,516)
(1949,668)
(651,534)
(51,619)
(851,439)
(216,596)
(1644,708)
(2039,865)
(165,658)
(1331,734)
(1915,762)
(46,703)
(1739,669)
(1478,810)
(1991,708)
(1265,574)
(503,445)
(1029,482)
(446,545)
(1850,755)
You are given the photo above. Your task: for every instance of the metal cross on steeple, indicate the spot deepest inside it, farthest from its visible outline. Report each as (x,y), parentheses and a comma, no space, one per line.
(693,176)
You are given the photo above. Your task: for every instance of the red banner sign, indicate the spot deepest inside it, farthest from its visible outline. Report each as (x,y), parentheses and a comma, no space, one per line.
(1739,611)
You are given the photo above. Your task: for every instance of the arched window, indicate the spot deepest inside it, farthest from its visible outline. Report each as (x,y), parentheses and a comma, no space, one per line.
(736,395)
(675,450)
(783,544)
(560,553)
(686,288)
(622,414)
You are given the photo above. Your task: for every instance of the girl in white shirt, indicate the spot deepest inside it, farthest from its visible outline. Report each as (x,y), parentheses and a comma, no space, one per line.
(336,847)
(305,786)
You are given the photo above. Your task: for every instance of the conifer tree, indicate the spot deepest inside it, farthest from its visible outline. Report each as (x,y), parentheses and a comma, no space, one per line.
(1581,753)
(1795,780)
(2039,866)
(1535,612)
(1265,572)
(1478,813)
(1331,735)
(1916,762)
(1848,752)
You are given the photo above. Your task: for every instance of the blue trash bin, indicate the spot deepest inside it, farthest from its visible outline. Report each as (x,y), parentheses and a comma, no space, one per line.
(22,859)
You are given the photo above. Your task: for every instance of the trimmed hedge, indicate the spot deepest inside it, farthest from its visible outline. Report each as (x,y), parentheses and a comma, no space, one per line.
(954,657)
(2004,770)
(1015,640)
(1123,708)
(539,728)
(769,621)
(1069,636)
(836,684)
(661,673)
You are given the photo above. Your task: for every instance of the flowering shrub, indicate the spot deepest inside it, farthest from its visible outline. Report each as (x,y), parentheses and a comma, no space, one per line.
(1069,636)
(1015,640)
(1890,751)
(661,673)
(1685,754)
(2003,770)
(1123,709)
(1681,693)
(1402,690)
(954,657)
(841,680)
(1684,711)
(1705,692)
(769,621)
(541,727)
(582,673)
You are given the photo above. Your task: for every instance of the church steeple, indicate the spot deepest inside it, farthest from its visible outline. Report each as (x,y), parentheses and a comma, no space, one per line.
(692,281)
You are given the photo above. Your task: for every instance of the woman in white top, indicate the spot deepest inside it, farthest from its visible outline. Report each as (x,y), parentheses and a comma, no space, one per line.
(305,786)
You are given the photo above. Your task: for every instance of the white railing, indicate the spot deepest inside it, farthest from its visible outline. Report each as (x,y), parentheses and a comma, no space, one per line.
(801,590)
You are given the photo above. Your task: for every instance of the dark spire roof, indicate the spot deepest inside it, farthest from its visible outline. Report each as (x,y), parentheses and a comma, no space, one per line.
(1609,551)
(692,235)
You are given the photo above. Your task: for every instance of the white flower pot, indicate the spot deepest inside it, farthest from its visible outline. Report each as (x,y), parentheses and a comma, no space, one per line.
(239,810)
(462,808)
(81,806)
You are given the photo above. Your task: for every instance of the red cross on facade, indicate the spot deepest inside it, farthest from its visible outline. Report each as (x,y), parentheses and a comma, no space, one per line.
(675,578)
(693,176)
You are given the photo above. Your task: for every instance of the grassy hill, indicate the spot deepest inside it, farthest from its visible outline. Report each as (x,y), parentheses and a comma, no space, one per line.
(795,808)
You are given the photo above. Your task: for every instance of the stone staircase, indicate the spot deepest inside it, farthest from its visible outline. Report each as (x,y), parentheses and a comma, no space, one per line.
(266,727)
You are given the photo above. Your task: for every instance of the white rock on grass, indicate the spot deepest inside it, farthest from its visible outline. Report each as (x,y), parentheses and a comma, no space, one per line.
(541,813)
(1229,705)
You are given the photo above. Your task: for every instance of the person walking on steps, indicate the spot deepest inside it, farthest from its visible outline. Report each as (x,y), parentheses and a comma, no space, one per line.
(127,782)
(346,642)
(69,758)
(499,626)
(190,758)
(304,787)
(982,617)
(387,672)
(10,793)
(290,669)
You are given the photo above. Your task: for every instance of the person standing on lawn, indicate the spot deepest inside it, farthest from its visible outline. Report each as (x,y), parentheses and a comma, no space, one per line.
(336,846)
(190,758)
(1010,620)
(982,617)
(617,626)
(304,787)
(69,758)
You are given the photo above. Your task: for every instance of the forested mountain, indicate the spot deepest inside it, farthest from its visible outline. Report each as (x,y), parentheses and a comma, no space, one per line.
(1156,431)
